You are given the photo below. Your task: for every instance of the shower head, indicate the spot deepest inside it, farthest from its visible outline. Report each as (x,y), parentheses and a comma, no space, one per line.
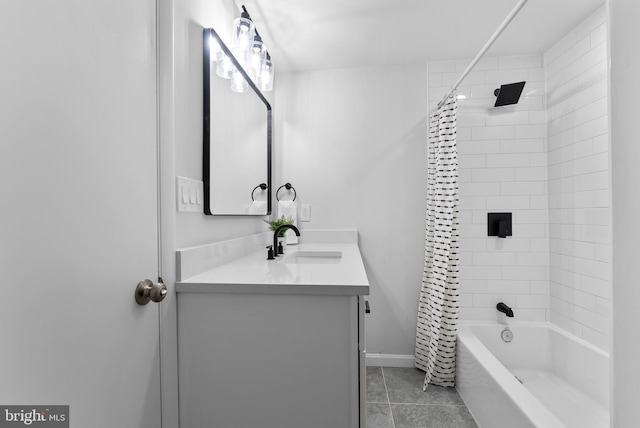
(508,94)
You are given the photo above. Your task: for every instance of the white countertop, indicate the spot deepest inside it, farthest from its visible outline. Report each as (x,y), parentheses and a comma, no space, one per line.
(253,273)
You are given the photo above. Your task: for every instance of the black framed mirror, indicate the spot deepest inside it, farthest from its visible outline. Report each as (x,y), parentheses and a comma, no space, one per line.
(237,130)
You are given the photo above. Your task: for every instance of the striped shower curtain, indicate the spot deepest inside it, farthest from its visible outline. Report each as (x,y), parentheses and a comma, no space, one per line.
(439,297)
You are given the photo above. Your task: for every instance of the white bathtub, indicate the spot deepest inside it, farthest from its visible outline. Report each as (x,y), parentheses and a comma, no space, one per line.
(565,380)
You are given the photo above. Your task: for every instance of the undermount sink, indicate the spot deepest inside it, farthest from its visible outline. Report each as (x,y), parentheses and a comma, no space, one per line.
(314,257)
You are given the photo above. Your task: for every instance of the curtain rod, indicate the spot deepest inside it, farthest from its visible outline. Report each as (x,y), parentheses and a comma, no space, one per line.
(485,48)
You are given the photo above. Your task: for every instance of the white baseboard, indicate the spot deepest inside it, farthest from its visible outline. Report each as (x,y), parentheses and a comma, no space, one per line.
(389,360)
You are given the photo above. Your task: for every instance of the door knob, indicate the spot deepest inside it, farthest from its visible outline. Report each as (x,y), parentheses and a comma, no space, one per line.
(147,291)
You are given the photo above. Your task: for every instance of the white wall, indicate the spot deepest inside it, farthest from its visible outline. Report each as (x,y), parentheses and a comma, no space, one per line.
(579,194)
(352,143)
(503,168)
(183,107)
(625,153)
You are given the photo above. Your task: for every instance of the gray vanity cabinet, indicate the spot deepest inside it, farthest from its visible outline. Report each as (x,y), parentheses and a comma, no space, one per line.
(271,360)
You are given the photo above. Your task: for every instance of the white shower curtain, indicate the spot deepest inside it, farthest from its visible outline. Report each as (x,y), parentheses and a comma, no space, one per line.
(439,297)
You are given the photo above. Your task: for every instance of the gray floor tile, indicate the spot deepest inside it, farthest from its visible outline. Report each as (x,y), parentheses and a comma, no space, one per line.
(376,391)
(404,385)
(379,415)
(431,416)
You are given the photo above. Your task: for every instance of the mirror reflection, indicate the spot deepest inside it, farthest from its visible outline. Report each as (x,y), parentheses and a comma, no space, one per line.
(236,135)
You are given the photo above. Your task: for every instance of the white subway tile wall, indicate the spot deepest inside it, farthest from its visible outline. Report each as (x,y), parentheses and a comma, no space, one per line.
(579,208)
(546,160)
(503,168)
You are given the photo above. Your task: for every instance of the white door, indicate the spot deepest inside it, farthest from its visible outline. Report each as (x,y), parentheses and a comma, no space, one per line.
(78,209)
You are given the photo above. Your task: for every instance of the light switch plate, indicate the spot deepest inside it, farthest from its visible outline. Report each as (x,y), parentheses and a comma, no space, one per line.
(190,195)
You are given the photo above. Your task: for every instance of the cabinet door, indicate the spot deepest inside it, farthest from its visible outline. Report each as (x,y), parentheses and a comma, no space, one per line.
(269,361)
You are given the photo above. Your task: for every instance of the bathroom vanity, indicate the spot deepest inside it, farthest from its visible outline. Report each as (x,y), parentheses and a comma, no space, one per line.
(272,343)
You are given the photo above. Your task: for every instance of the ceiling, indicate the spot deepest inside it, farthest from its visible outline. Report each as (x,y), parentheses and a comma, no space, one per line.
(320,34)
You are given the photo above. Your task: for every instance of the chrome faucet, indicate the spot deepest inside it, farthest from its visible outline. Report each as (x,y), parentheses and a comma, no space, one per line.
(277,232)
(501,307)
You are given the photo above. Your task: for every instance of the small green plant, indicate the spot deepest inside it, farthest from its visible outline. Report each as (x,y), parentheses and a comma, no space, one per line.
(274,224)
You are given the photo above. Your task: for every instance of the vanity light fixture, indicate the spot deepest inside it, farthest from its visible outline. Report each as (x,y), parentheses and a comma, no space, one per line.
(250,52)
(238,82)
(256,58)
(243,31)
(266,75)
(224,66)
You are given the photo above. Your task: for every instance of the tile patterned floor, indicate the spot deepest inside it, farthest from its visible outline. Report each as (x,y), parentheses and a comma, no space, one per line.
(395,400)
